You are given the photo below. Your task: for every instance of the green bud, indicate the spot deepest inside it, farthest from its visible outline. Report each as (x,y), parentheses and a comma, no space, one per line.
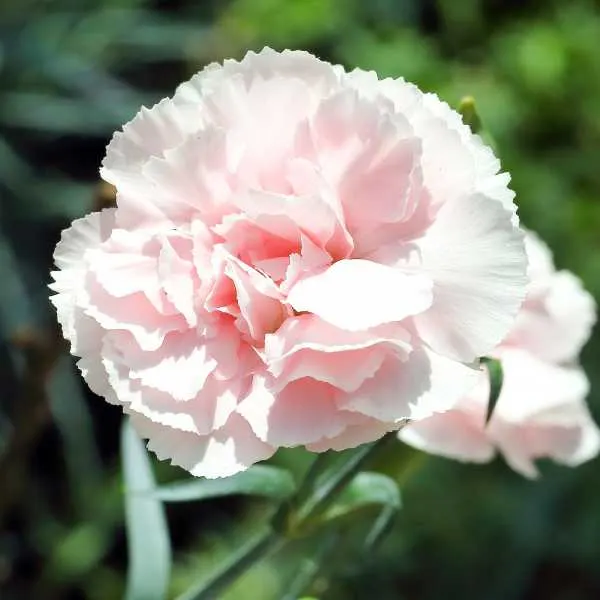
(468,110)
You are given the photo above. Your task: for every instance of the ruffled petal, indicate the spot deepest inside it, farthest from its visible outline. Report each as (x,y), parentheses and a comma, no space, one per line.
(306,346)
(411,389)
(302,413)
(359,294)
(223,453)
(458,433)
(209,409)
(542,413)
(359,430)
(180,367)
(133,313)
(476,258)
(84,236)
(150,133)
(556,323)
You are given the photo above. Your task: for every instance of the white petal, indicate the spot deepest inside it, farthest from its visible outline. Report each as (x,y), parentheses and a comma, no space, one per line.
(358,294)
(150,133)
(83,234)
(476,258)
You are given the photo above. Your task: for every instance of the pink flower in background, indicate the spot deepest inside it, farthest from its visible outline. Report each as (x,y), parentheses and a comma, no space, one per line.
(299,256)
(541,411)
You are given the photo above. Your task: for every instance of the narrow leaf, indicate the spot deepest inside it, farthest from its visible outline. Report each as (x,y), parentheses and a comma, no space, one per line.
(148,543)
(494,368)
(260,480)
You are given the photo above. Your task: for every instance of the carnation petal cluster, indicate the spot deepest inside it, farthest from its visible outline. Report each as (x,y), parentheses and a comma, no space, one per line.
(541,411)
(299,256)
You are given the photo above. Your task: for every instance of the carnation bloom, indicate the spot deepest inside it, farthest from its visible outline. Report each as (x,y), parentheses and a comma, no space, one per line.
(541,411)
(299,256)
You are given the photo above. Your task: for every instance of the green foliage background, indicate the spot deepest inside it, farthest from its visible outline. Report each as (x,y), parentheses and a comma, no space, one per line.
(71,72)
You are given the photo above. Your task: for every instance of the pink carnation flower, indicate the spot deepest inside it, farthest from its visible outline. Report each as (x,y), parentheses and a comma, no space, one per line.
(541,411)
(299,256)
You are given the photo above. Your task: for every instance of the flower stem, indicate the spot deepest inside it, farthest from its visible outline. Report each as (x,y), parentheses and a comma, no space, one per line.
(261,546)
(326,493)
(310,567)
(292,518)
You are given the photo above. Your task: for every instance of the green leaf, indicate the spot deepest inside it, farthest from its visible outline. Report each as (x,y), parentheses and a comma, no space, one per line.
(494,368)
(148,543)
(366,489)
(260,480)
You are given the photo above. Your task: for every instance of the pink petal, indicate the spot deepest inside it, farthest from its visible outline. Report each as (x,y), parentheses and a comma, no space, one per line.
(209,409)
(95,375)
(310,214)
(133,313)
(458,433)
(423,384)
(266,63)
(84,236)
(359,430)
(259,238)
(303,412)
(306,346)
(378,187)
(541,413)
(177,276)
(344,370)
(176,185)
(311,260)
(555,323)
(150,133)
(310,332)
(259,300)
(223,453)
(179,367)
(122,274)
(359,294)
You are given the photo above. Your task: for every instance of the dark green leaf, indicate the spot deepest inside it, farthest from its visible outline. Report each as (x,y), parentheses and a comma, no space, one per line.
(74,422)
(494,368)
(148,543)
(260,480)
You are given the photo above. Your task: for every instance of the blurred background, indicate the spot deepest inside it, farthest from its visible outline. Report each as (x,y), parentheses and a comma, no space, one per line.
(73,71)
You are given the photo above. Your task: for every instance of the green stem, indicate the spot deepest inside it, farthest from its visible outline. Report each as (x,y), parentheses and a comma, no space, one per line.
(325,494)
(317,467)
(292,518)
(258,548)
(310,567)
(280,521)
